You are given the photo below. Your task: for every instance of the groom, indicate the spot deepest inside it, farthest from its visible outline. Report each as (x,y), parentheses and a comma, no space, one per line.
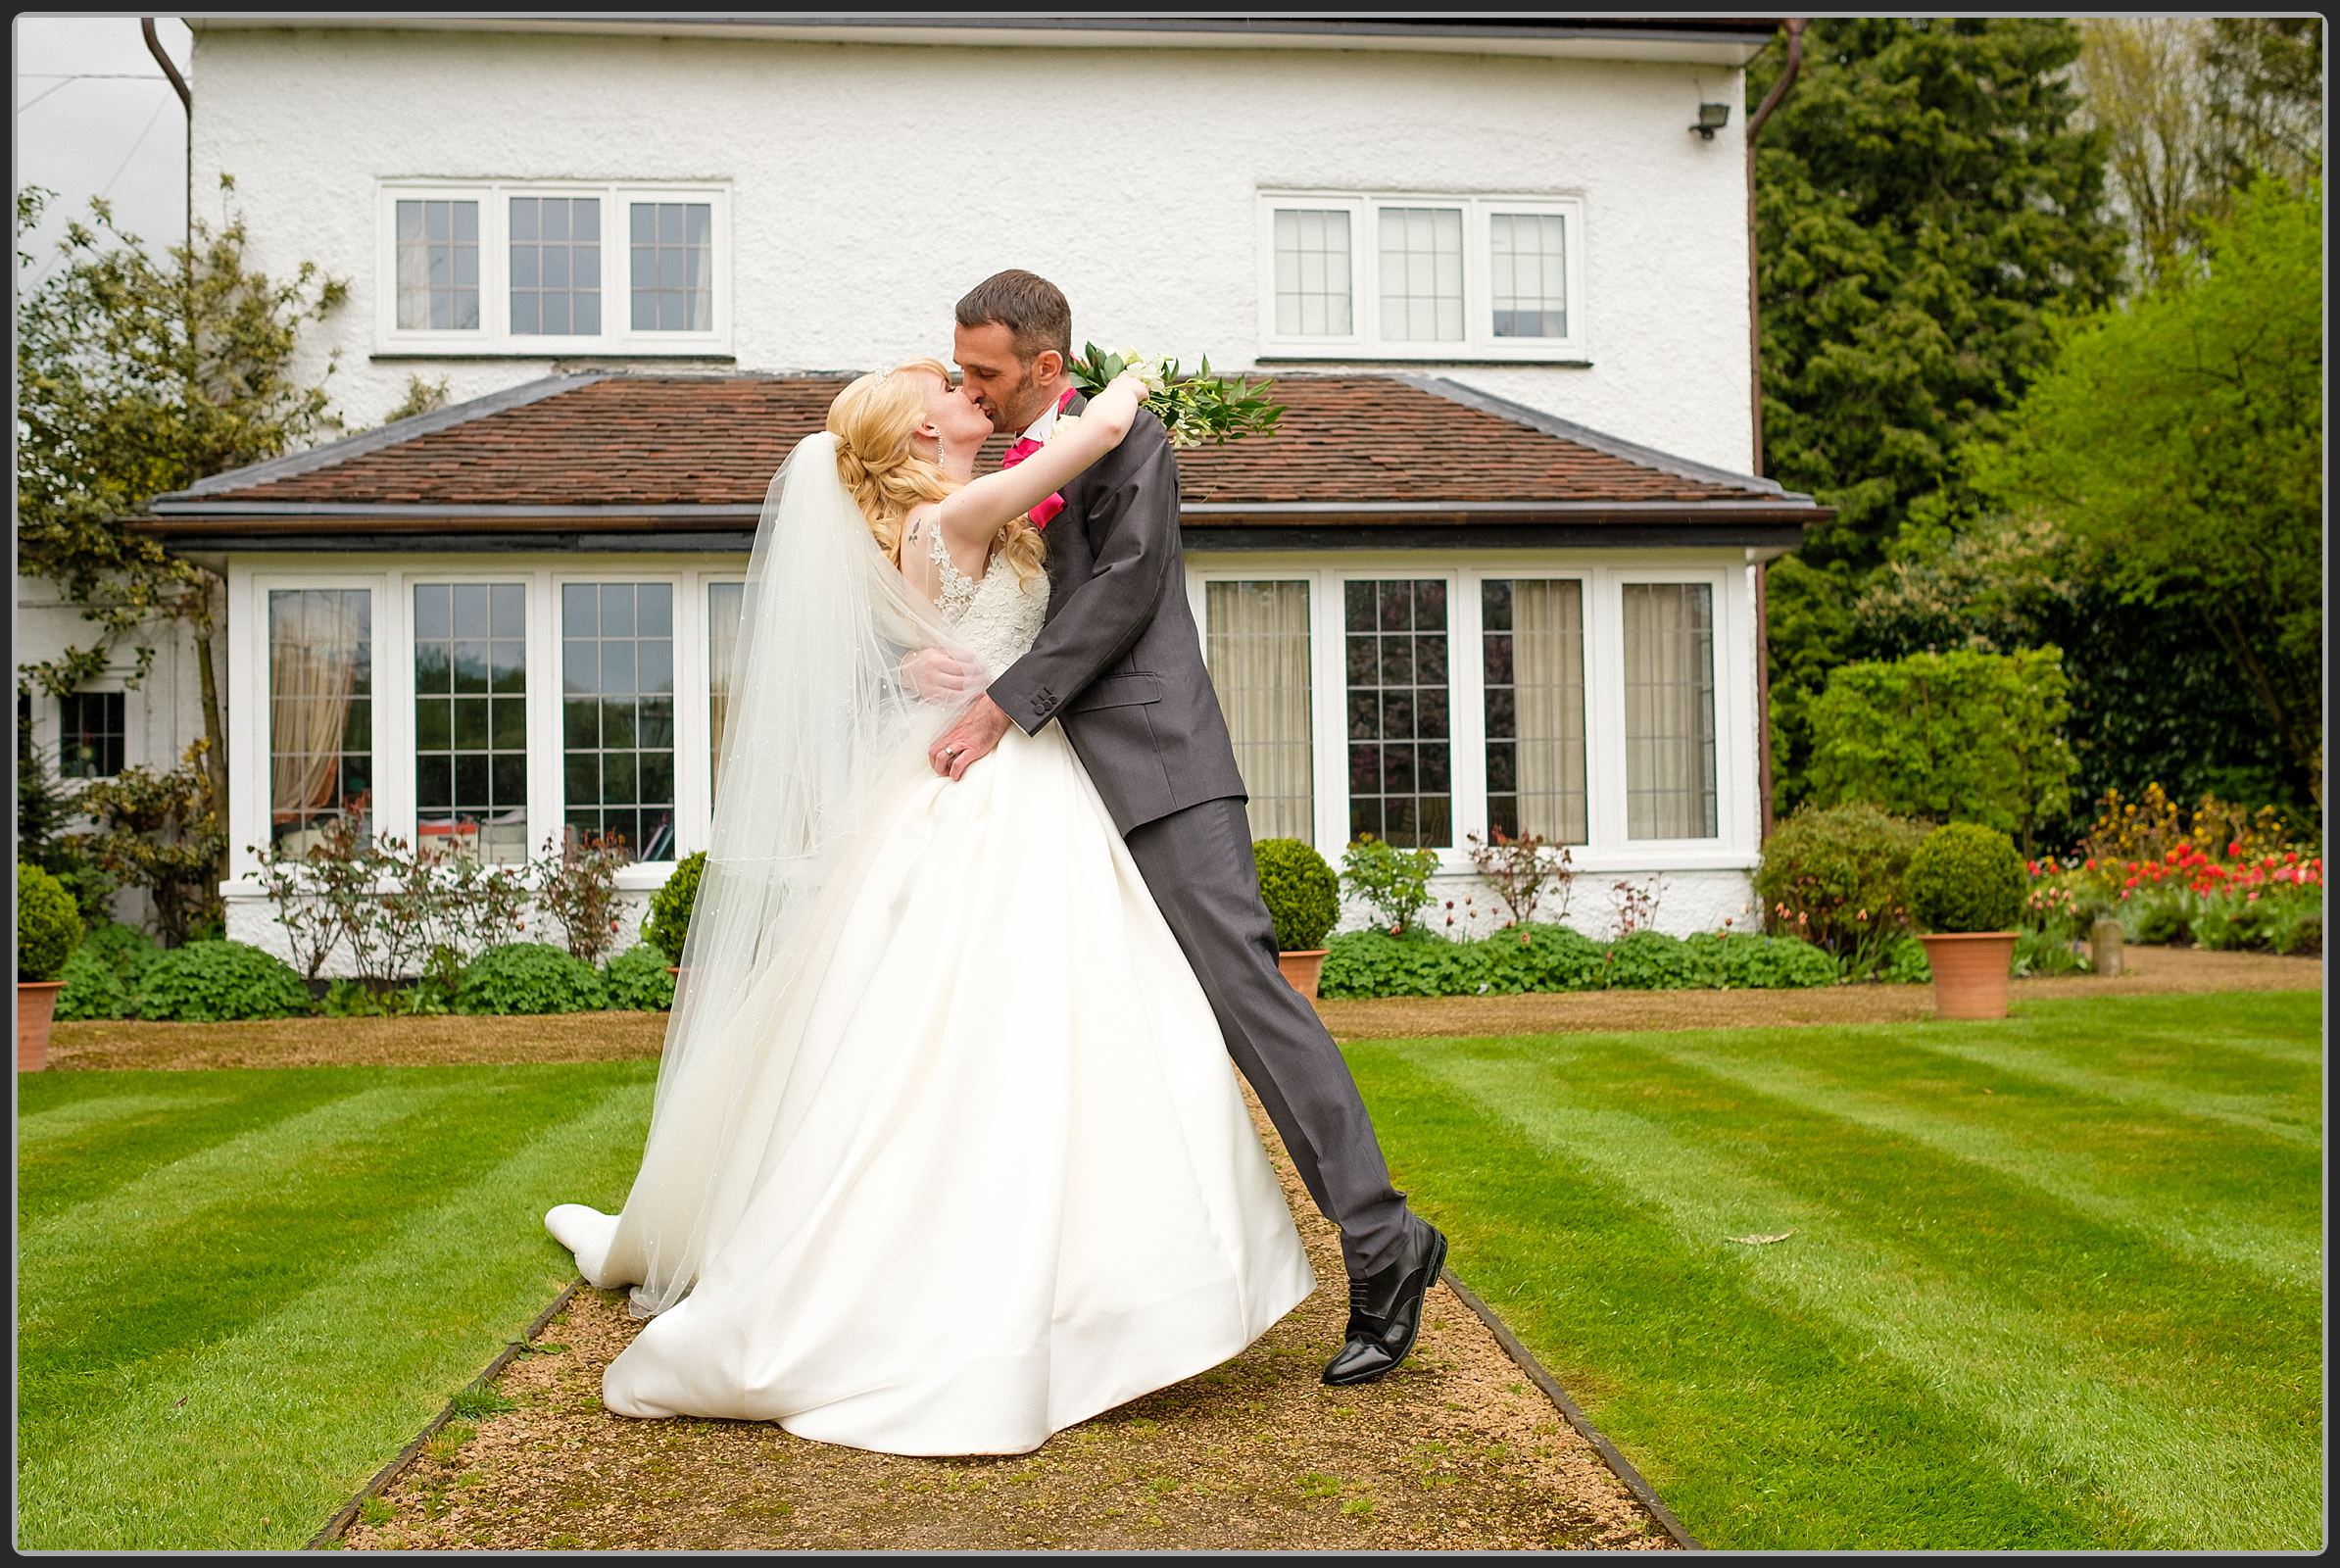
(1120,667)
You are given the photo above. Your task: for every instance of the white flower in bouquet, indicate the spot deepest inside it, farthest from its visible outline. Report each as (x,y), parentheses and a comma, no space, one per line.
(1065,424)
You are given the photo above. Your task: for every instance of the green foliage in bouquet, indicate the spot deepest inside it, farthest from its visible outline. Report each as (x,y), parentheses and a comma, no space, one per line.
(1967,877)
(1300,891)
(1194,409)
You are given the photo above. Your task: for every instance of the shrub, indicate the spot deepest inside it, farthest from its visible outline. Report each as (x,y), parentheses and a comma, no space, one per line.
(1300,891)
(1375,964)
(1535,957)
(670,921)
(213,981)
(1750,962)
(577,885)
(637,979)
(1905,963)
(529,977)
(93,988)
(48,927)
(1394,883)
(1648,960)
(1973,733)
(1967,877)
(1833,876)
(1521,871)
(126,950)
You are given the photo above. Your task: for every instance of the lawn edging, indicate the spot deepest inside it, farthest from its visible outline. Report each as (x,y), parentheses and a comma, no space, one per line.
(1575,1417)
(339,1523)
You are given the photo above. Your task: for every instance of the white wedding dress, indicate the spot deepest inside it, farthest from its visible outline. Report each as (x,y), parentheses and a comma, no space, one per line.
(1011,1181)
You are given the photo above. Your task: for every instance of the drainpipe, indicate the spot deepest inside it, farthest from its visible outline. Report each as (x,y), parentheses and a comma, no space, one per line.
(1763,646)
(186,101)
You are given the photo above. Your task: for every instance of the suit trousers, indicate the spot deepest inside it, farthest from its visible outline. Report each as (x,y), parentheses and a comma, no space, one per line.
(1197,864)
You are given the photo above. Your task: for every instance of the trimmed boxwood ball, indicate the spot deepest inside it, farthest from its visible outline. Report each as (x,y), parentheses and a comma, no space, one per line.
(637,980)
(1965,877)
(1301,894)
(48,925)
(669,919)
(529,977)
(214,981)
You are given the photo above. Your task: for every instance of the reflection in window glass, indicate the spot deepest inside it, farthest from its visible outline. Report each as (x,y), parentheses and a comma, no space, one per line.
(618,714)
(1399,787)
(471,719)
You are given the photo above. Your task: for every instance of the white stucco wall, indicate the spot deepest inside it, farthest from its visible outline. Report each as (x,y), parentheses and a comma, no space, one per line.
(161,716)
(872,184)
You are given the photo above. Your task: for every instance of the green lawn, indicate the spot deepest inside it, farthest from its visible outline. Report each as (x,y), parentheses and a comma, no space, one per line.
(2052,1283)
(240,1293)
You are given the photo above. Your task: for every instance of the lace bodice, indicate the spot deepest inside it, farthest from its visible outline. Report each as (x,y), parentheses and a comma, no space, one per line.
(997,613)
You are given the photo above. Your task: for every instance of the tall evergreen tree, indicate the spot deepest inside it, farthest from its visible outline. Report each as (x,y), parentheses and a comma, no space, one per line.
(1924,199)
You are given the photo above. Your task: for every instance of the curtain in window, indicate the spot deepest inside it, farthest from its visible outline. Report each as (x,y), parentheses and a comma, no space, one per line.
(1547,652)
(722,639)
(1257,649)
(1669,710)
(314,641)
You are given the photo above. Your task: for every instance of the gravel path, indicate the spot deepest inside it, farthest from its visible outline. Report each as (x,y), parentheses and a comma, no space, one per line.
(1454,1450)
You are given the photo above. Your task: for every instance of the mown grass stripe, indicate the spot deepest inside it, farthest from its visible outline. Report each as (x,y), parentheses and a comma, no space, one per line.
(2161,1467)
(2252,1230)
(2276,1115)
(104,1152)
(1764,1426)
(252,1442)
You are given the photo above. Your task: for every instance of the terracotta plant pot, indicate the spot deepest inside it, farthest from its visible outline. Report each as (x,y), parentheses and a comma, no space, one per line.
(1970,970)
(1303,968)
(37,1006)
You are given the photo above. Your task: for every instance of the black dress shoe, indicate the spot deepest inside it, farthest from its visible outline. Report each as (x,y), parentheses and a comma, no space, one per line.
(1385,1309)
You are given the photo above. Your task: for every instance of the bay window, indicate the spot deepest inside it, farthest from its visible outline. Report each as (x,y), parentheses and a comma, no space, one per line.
(1255,643)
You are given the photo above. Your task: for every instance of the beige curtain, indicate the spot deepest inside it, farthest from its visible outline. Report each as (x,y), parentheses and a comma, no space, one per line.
(1257,650)
(312,670)
(722,638)
(1669,710)
(1547,672)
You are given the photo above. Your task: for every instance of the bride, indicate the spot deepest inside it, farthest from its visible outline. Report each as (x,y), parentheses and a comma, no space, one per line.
(947,1153)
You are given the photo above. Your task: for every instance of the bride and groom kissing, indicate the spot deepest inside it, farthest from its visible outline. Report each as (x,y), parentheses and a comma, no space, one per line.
(944,1155)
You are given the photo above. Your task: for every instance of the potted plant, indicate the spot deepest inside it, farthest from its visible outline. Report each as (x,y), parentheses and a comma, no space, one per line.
(1303,898)
(48,929)
(669,919)
(1965,887)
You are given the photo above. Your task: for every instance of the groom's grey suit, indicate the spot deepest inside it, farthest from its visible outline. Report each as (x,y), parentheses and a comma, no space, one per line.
(1119,665)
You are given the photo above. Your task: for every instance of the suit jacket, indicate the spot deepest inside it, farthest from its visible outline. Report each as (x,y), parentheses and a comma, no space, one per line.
(1118,662)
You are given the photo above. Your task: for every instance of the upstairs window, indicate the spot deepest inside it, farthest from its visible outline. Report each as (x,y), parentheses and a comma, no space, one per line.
(553,268)
(1366,276)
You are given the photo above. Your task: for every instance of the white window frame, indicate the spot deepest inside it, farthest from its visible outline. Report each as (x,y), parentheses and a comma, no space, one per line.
(1479,340)
(1602,576)
(494,335)
(391,580)
(108,684)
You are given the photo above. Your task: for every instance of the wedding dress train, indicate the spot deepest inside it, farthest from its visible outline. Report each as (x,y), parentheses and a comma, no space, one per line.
(1008,1180)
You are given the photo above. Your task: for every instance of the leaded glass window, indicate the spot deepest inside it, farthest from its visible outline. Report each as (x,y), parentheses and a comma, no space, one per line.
(556,266)
(1400,780)
(617,712)
(472,719)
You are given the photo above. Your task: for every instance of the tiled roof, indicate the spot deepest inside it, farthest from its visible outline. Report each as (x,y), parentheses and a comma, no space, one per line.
(634,443)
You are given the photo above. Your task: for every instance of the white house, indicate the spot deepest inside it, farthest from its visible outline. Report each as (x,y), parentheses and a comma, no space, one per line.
(1500,566)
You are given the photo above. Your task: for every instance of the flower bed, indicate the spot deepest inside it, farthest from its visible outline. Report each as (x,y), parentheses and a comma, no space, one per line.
(2271,901)
(1542,957)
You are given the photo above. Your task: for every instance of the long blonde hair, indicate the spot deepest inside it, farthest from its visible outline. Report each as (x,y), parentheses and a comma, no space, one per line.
(874,421)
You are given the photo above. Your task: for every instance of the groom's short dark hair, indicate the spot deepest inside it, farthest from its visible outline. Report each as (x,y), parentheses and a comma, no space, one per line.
(1034,310)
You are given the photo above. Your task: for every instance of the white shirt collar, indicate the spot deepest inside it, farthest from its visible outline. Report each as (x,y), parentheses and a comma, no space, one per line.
(1038,429)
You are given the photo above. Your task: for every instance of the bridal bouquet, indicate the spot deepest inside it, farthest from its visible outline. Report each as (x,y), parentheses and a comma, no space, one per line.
(1194,408)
